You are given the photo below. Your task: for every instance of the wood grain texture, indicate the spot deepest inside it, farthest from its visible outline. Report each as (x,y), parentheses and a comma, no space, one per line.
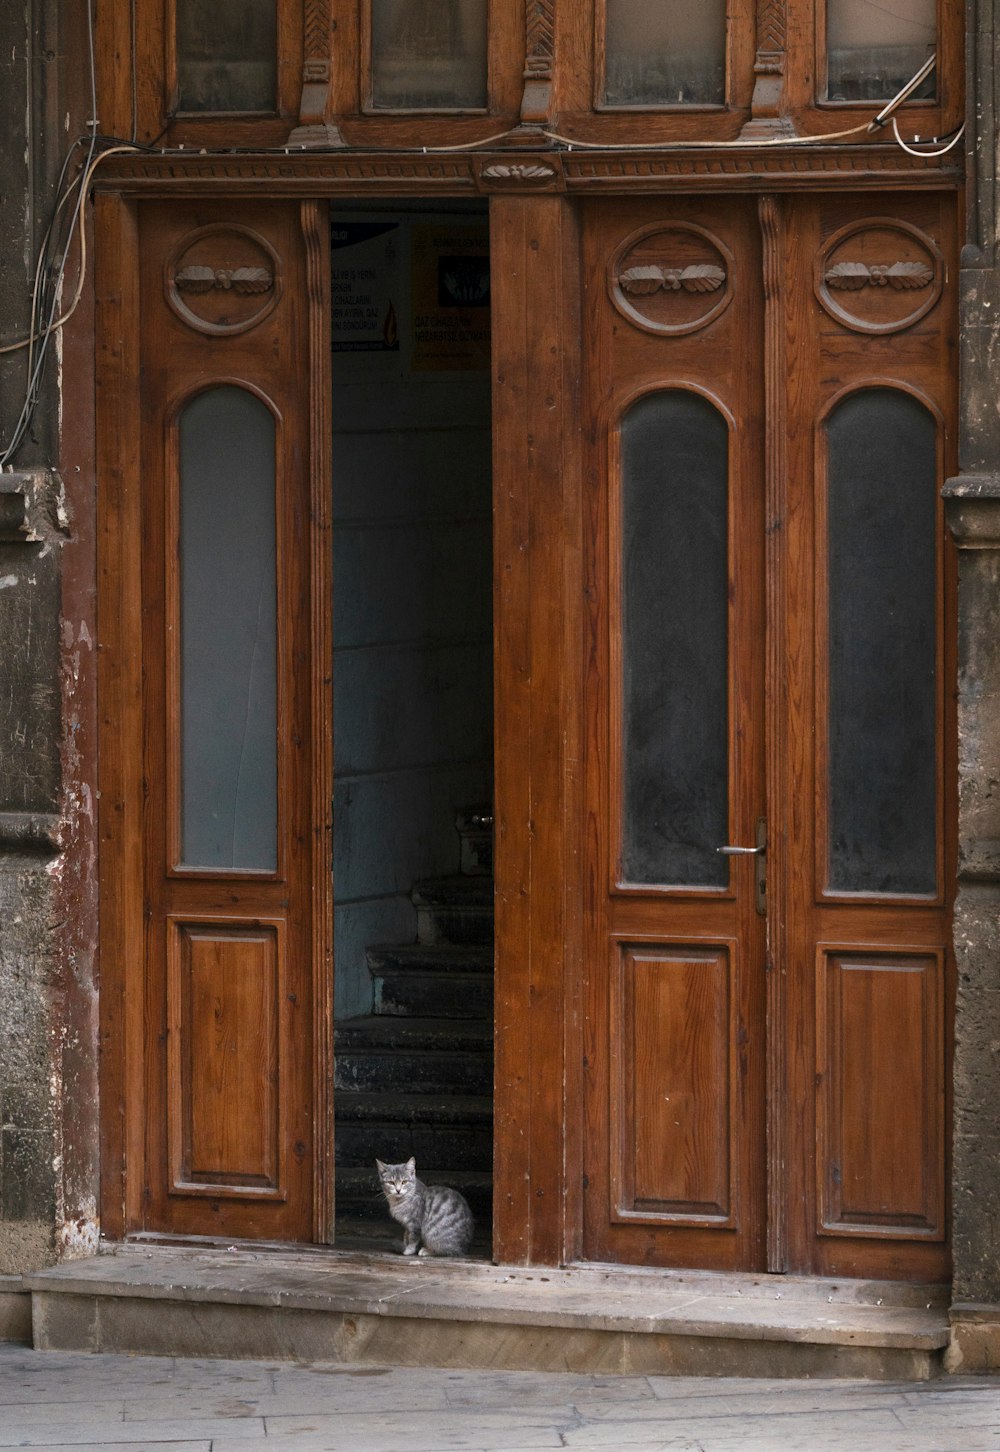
(673,1129)
(120,795)
(830,359)
(623,364)
(189,1108)
(536,499)
(857,1069)
(315,222)
(771,216)
(226,1089)
(546,65)
(880,1066)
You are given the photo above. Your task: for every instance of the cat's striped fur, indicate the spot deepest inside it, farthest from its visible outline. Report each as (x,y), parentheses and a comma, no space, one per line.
(436,1220)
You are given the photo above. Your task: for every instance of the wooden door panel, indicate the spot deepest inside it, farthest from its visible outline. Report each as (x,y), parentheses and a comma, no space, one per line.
(674,752)
(673,1130)
(822,329)
(869,867)
(880,1050)
(227,1104)
(229,706)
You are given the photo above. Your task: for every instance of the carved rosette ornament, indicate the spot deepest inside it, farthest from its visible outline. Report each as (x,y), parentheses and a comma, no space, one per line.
(222,279)
(671,278)
(879,275)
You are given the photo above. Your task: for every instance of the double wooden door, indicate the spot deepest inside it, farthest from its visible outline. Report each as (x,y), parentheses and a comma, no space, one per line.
(769,744)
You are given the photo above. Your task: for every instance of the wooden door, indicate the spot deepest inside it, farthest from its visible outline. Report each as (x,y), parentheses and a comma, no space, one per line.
(769,391)
(232,755)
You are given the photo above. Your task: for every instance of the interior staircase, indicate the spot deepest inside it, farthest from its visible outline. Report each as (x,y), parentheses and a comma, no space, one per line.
(415,1076)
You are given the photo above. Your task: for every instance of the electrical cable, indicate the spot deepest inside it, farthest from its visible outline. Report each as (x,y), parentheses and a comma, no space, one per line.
(910,149)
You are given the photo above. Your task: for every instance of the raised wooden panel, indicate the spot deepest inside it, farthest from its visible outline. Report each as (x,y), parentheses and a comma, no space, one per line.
(672,1110)
(224,1078)
(880,1072)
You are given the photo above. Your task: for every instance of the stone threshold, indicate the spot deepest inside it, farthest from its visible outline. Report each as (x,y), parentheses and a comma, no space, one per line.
(324,1305)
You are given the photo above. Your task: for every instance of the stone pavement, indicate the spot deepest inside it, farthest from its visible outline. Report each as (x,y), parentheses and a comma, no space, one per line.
(67,1402)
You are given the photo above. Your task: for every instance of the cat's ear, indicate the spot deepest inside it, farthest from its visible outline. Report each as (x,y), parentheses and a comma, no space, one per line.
(411,1165)
(381,1166)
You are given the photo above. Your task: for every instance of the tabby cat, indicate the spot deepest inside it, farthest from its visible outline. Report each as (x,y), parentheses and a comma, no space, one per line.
(436,1220)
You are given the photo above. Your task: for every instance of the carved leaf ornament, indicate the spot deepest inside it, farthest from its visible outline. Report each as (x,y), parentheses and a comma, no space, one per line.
(903,276)
(644,281)
(247,280)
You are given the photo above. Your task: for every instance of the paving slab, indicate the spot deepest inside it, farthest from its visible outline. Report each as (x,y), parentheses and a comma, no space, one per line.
(171,1404)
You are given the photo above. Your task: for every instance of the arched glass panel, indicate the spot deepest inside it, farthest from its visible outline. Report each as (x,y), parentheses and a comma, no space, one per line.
(674,606)
(228,619)
(226,55)
(669,53)
(873,48)
(429,55)
(881,510)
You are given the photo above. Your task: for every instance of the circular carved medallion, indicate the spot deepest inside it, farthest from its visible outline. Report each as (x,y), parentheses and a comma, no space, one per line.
(879,275)
(223,279)
(671,278)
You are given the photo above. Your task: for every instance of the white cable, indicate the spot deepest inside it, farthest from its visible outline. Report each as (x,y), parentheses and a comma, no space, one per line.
(910,150)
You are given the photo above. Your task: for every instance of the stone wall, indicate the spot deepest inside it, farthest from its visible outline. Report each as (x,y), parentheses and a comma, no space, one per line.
(42,1032)
(973,504)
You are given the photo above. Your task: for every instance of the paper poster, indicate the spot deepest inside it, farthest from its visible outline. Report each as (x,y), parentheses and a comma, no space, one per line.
(365,285)
(450,295)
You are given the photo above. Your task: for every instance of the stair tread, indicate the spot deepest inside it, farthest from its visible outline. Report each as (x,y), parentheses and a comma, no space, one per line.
(471,958)
(373,1031)
(370,1105)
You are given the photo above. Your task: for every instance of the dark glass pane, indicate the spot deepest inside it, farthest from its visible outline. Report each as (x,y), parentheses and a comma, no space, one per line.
(675,449)
(873,48)
(429,55)
(226,55)
(882,555)
(229,764)
(665,54)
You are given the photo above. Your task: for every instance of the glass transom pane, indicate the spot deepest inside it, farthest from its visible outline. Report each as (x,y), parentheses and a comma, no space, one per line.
(664,53)
(429,55)
(226,55)
(873,48)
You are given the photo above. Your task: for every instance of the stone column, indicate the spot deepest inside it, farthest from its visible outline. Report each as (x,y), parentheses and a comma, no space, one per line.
(973,509)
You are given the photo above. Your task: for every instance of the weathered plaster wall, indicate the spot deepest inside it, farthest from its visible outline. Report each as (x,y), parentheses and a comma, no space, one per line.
(44,1206)
(974,514)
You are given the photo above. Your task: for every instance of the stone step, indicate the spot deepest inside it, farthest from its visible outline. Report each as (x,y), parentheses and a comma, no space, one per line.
(383,1237)
(387,1033)
(454,910)
(436,1129)
(360,1196)
(250,1301)
(432,981)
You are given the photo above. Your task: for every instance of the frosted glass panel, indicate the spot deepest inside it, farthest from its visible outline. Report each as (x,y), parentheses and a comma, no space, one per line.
(665,52)
(226,55)
(675,760)
(228,595)
(429,55)
(882,481)
(874,48)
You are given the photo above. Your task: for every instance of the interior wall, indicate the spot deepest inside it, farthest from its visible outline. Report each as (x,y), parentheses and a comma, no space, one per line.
(413,714)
